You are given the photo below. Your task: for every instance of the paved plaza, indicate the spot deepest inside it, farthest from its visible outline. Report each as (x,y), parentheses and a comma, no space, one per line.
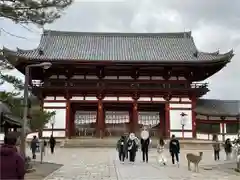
(102,164)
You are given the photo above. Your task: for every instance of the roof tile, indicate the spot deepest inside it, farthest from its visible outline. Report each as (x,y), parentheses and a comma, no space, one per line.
(119,47)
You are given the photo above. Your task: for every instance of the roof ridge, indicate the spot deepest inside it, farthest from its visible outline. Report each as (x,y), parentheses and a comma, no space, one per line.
(74,33)
(225,100)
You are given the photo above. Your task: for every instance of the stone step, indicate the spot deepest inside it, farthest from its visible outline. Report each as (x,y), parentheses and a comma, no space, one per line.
(111,142)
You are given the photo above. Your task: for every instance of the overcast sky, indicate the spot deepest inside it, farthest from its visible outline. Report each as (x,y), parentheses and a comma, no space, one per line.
(215,24)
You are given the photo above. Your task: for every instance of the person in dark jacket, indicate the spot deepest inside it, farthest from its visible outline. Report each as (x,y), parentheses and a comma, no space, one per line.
(52,143)
(216,147)
(144,147)
(121,148)
(228,148)
(11,162)
(132,147)
(174,148)
(34,144)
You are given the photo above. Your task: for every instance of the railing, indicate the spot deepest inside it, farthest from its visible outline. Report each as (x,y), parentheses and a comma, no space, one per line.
(117,85)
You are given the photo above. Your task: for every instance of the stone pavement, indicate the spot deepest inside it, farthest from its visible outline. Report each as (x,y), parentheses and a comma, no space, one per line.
(102,164)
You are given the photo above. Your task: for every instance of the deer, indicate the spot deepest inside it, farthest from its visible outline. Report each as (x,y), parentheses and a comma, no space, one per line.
(195,159)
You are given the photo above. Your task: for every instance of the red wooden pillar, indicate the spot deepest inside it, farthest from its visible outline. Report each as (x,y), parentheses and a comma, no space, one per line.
(167,120)
(223,127)
(134,122)
(194,101)
(162,123)
(72,119)
(68,119)
(100,129)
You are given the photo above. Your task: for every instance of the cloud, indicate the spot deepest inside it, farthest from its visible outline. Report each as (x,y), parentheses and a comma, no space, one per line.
(215,25)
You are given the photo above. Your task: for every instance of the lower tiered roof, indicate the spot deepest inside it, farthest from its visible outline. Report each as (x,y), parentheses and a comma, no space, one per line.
(218,107)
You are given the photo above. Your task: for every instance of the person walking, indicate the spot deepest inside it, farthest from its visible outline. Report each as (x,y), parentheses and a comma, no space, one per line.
(44,147)
(12,165)
(216,148)
(160,151)
(121,146)
(174,148)
(228,149)
(33,146)
(52,143)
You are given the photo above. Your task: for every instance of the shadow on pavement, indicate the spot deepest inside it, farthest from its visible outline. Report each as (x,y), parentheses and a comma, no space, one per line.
(42,170)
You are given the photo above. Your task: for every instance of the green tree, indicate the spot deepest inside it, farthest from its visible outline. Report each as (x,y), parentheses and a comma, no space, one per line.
(38,12)
(38,118)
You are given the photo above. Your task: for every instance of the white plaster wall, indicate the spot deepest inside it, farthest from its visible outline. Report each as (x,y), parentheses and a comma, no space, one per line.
(202,136)
(221,128)
(110,99)
(54,104)
(55,133)
(1,136)
(78,98)
(30,136)
(60,118)
(174,99)
(145,99)
(220,137)
(60,98)
(231,137)
(179,134)
(201,117)
(172,105)
(175,119)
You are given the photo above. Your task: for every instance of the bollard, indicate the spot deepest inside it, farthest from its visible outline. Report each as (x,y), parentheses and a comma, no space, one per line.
(41,151)
(238,162)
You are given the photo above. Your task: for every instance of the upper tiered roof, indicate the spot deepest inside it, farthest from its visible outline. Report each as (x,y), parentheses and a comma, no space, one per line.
(122,47)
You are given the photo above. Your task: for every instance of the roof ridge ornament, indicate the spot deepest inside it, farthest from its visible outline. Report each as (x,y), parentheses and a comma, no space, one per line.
(195,54)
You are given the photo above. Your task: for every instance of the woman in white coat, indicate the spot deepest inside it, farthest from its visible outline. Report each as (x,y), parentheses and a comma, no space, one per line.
(160,150)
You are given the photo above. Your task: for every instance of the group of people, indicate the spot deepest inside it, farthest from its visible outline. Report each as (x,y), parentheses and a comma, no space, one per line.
(35,145)
(127,147)
(12,163)
(229,148)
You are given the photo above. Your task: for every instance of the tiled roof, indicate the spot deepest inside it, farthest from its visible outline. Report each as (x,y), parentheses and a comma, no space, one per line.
(165,47)
(218,107)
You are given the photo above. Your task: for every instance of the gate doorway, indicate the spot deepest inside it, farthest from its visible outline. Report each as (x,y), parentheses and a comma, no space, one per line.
(153,117)
(117,119)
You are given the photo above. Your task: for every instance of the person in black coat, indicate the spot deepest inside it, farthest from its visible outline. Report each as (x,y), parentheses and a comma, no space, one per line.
(121,148)
(144,147)
(228,148)
(174,148)
(132,147)
(33,146)
(52,143)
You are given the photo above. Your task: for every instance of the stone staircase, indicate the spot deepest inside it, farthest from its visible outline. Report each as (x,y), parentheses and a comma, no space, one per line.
(91,142)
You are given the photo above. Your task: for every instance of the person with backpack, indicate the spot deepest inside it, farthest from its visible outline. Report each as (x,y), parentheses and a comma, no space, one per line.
(121,148)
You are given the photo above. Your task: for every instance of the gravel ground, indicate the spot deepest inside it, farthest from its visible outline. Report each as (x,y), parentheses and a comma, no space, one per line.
(42,170)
